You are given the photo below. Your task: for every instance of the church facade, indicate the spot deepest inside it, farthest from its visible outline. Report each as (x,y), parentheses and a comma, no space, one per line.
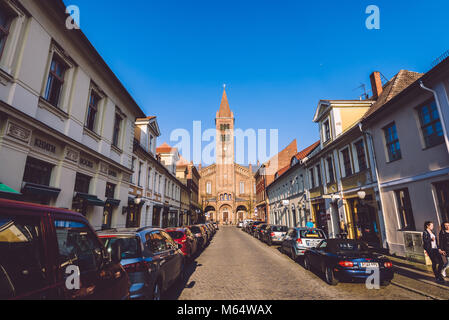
(227,189)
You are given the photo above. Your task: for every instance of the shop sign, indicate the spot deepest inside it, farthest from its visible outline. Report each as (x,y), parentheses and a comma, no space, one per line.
(87,163)
(44,145)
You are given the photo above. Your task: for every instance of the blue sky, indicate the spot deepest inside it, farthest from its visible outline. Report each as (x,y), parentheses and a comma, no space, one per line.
(278,58)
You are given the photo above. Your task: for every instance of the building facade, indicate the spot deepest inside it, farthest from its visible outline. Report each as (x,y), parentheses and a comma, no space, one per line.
(288,193)
(410,143)
(66,121)
(227,189)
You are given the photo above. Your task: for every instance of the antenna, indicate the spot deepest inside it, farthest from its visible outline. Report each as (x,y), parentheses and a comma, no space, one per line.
(364,95)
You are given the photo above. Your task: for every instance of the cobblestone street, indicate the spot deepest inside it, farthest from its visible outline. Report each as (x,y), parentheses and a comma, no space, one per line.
(237,266)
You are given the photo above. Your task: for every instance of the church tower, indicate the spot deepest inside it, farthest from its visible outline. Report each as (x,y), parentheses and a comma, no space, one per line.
(224,123)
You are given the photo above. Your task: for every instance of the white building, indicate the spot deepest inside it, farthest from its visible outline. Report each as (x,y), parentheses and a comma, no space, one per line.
(287,194)
(66,121)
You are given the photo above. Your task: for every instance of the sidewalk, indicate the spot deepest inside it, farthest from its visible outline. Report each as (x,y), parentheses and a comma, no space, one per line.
(418,277)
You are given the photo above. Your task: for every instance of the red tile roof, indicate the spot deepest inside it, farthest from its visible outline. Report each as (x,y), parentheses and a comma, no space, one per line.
(164,148)
(304,153)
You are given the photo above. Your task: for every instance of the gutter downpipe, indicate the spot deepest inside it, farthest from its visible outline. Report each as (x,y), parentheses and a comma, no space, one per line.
(440,113)
(382,221)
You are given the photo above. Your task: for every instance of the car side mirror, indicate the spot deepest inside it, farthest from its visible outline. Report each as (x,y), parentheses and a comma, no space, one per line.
(116,253)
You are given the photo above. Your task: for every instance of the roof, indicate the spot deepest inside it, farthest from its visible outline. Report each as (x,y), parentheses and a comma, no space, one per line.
(304,153)
(147,118)
(283,170)
(224,111)
(164,148)
(397,84)
(182,162)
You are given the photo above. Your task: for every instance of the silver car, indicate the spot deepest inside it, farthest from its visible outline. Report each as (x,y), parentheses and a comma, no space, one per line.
(298,240)
(274,234)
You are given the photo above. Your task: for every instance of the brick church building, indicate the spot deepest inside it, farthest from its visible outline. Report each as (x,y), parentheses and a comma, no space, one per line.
(227,189)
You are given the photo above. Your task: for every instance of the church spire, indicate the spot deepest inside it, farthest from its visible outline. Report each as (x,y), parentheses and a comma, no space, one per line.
(224,111)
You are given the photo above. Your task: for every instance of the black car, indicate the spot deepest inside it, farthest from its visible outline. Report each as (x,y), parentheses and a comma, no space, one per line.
(152,259)
(347,260)
(200,235)
(253,226)
(260,230)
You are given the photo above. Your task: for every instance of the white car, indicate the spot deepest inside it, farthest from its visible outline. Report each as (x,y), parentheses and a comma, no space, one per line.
(240,224)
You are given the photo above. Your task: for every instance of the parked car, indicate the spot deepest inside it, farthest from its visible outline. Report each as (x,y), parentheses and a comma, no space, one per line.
(215,224)
(200,236)
(298,240)
(274,234)
(38,244)
(185,238)
(240,224)
(208,233)
(259,230)
(245,223)
(347,260)
(211,228)
(253,227)
(152,259)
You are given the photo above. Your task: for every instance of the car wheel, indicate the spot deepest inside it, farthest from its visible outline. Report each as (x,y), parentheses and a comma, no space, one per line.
(157,289)
(293,254)
(307,263)
(330,277)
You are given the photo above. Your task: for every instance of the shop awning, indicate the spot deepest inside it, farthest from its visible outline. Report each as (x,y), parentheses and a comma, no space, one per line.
(113,202)
(37,189)
(92,200)
(9,193)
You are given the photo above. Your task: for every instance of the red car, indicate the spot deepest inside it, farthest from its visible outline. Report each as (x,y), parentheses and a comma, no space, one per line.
(184,237)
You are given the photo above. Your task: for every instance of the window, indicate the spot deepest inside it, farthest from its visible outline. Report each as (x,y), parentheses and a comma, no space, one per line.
(330,170)
(151,143)
(156,242)
(361,158)
(22,262)
(78,246)
(5,24)
(318,170)
(209,188)
(37,171)
(347,162)
(392,141)
(55,81)
(431,125)
(92,110)
(139,177)
(116,133)
(406,220)
(312,178)
(82,183)
(326,131)
(242,187)
(110,190)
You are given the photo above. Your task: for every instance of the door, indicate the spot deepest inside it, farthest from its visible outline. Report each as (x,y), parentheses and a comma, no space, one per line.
(177,256)
(319,254)
(78,246)
(107,216)
(442,191)
(24,269)
(161,253)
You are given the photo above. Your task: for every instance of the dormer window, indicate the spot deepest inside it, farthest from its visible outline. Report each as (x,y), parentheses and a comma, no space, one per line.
(326,131)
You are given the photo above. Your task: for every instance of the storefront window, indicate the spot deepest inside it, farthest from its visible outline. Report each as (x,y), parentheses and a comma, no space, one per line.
(37,171)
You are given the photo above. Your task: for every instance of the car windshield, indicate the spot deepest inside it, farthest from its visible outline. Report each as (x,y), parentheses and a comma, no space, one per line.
(279,228)
(176,234)
(312,233)
(351,246)
(128,246)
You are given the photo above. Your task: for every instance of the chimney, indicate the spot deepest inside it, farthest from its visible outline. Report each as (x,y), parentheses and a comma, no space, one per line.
(258,163)
(199,166)
(250,168)
(376,84)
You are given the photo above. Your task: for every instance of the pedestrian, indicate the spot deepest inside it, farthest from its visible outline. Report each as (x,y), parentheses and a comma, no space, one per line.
(430,244)
(444,245)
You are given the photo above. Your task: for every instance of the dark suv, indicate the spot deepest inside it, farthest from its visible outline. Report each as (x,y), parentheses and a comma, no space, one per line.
(41,248)
(151,257)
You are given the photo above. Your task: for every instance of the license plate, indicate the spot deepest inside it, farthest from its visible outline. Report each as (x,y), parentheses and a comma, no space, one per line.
(369,264)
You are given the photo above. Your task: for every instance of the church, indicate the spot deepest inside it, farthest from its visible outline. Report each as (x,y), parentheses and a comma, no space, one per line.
(227,189)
